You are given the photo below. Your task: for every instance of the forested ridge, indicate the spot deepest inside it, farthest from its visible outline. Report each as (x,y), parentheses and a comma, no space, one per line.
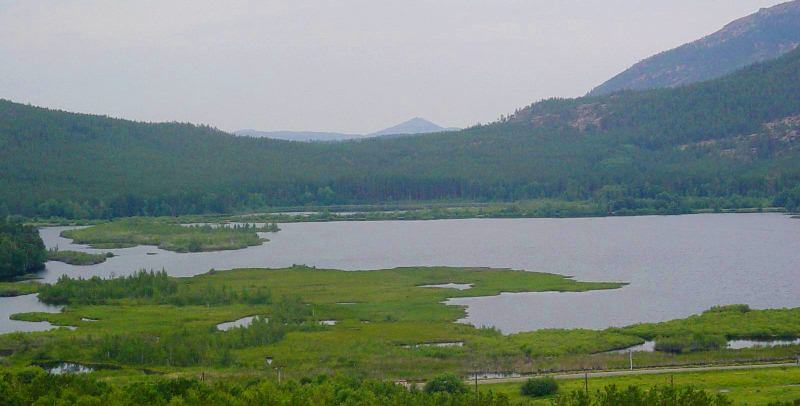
(732,139)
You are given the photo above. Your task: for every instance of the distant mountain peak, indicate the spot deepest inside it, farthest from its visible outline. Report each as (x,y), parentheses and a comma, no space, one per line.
(416,125)
(766,34)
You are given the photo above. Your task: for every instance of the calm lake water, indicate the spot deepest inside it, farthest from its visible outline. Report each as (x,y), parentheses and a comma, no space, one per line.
(676,265)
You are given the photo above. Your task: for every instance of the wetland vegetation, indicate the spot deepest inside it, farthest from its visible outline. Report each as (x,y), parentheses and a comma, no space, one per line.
(167,235)
(18,288)
(151,320)
(77,257)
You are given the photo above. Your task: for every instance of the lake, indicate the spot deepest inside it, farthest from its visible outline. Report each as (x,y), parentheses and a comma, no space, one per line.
(676,265)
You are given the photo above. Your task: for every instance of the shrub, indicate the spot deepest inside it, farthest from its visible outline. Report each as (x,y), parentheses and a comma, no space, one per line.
(733,308)
(696,342)
(535,387)
(449,383)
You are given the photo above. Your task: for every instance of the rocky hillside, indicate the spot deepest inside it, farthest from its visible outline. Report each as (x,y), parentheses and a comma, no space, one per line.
(765,35)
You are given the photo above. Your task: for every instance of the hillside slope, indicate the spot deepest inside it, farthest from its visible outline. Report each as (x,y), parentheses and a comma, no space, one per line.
(762,36)
(731,138)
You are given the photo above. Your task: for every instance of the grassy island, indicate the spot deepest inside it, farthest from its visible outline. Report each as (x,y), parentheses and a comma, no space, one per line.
(169,236)
(77,258)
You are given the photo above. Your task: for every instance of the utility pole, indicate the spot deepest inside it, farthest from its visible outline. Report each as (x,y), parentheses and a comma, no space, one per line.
(475,370)
(586,382)
(630,355)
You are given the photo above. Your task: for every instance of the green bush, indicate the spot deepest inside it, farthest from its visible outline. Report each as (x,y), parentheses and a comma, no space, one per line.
(696,342)
(733,308)
(536,387)
(449,383)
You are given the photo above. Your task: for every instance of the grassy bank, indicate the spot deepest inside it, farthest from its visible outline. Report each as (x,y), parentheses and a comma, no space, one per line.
(8,289)
(441,210)
(545,208)
(166,235)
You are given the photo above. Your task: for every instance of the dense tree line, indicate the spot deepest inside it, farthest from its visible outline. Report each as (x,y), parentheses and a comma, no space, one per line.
(21,249)
(667,147)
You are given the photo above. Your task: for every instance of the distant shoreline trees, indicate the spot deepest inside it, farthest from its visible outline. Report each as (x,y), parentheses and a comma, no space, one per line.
(21,249)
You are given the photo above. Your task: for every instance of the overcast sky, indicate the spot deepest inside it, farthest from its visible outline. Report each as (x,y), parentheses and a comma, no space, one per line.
(339,65)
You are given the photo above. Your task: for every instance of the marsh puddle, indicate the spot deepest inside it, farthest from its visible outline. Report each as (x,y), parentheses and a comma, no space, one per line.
(742,344)
(448,344)
(243,322)
(647,346)
(63,368)
(650,346)
(457,286)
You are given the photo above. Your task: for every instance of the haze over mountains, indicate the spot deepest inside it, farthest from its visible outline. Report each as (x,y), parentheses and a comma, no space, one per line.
(765,35)
(416,125)
(730,141)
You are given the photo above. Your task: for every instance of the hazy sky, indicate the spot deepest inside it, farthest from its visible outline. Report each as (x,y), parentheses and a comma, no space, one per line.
(339,65)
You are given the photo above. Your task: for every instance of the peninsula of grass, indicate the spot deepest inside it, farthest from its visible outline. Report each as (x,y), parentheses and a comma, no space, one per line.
(77,258)
(168,236)
(9,289)
(150,315)
(386,331)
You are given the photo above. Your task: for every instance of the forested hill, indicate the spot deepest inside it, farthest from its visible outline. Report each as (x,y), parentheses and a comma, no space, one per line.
(765,35)
(732,138)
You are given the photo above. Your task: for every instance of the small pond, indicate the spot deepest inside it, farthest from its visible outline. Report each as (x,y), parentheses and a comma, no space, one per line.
(457,286)
(243,322)
(650,346)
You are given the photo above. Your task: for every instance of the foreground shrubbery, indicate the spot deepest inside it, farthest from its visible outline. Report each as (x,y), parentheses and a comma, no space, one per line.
(536,387)
(636,396)
(448,383)
(34,386)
